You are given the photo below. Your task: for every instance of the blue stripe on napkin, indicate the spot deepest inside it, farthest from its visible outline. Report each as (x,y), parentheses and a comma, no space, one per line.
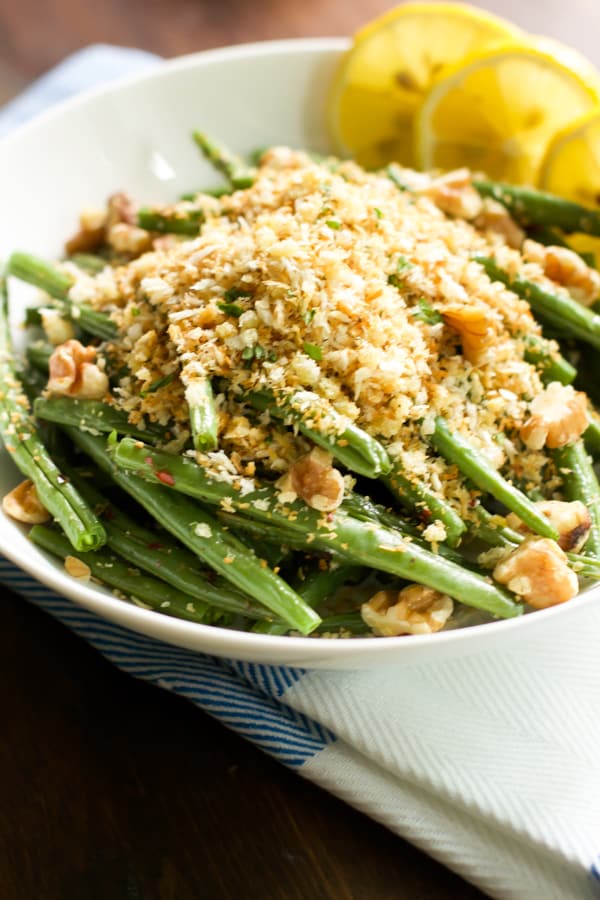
(85,69)
(271,680)
(218,687)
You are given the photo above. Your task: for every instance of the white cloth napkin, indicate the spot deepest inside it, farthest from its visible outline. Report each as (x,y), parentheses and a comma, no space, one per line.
(489,762)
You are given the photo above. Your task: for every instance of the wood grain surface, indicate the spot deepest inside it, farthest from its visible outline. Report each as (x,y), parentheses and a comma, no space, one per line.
(110,788)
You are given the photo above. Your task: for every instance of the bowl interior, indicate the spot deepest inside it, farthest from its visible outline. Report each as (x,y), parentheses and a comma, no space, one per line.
(136,136)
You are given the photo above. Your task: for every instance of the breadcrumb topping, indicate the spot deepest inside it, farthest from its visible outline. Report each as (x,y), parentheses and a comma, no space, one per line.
(334,290)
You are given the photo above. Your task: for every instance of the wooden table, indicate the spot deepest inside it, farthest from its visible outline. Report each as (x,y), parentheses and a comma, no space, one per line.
(111,789)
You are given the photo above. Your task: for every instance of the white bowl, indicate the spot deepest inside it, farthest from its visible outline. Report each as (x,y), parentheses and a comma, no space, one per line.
(136,135)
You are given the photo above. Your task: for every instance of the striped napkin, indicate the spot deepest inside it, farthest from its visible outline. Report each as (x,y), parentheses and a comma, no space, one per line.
(488,762)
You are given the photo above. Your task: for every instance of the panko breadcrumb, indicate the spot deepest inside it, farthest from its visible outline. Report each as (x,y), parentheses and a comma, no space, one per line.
(325,281)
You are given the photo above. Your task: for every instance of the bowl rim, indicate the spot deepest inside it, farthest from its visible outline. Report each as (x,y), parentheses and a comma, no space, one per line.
(226,642)
(166,65)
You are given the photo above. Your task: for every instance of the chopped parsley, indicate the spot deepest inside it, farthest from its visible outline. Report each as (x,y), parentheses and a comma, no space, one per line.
(257,351)
(309,316)
(378,212)
(235,293)
(333,223)
(402,265)
(228,304)
(313,350)
(394,175)
(231,309)
(426,313)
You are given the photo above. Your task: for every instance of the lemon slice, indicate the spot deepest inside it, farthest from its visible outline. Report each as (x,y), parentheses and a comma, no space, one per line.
(497,111)
(571,169)
(385,75)
(571,166)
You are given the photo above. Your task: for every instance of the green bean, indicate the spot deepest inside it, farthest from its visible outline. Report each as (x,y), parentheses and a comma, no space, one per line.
(89,262)
(113,571)
(547,236)
(493,530)
(109,511)
(352,446)
(531,207)
(580,483)
(202,533)
(264,531)
(30,455)
(92,415)
(559,311)
(164,557)
(591,436)
(319,585)
(364,543)
(477,469)
(57,284)
(363,508)
(418,499)
(550,364)
(584,566)
(275,545)
(227,163)
(191,196)
(40,274)
(204,420)
(185,221)
(179,568)
(587,376)
(32,380)
(38,355)
(351,622)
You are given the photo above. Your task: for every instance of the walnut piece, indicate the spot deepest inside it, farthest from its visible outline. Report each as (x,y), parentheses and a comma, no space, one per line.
(454,194)
(496,218)
(91,234)
(122,232)
(130,239)
(566,268)
(121,208)
(23,504)
(74,373)
(475,328)
(56,328)
(538,572)
(313,478)
(558,417)
(572,521)
(77,569)
(415,609)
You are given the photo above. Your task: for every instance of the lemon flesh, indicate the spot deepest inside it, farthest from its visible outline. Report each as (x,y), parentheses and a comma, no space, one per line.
(497,111)
(571,169)
(571,166)
(392,64)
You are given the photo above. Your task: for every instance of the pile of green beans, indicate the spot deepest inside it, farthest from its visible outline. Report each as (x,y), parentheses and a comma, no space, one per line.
(193,546)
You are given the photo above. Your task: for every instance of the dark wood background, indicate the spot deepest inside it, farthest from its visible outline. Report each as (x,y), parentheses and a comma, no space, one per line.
(111,789)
